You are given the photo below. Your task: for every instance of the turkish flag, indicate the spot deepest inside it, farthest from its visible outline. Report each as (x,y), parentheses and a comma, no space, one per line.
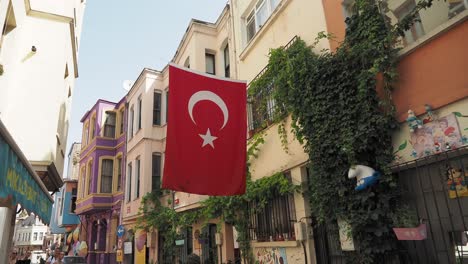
(206,134)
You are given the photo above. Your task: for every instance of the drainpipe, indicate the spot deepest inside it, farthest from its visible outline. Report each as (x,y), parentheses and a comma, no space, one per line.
(233,33)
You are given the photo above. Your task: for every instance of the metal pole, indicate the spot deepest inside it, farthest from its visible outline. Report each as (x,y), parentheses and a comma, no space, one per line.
(7,220)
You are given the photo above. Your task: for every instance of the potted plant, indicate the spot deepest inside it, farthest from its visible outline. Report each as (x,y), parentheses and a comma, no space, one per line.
(408,226)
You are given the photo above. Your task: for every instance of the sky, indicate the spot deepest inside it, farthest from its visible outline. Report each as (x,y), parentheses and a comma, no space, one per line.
(120,38)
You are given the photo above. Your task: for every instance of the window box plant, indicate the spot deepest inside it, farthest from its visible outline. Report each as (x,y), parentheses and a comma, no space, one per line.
(408,226)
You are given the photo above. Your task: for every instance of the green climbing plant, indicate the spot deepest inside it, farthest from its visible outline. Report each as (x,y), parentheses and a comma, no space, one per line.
(229,209)
(341,121)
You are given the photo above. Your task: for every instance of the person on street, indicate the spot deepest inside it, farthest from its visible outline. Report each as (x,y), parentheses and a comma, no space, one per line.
(53,259)
(12,259)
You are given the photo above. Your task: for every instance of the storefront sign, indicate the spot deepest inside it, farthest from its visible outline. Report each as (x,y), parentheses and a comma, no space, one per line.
(18,186)
(179,242)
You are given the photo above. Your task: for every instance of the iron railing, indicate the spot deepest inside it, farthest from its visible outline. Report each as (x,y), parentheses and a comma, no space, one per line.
(261,107)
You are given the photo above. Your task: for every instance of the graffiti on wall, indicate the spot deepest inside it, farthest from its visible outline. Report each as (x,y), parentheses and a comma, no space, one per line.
(271,256)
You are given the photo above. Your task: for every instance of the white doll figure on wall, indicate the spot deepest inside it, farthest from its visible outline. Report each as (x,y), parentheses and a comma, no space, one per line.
(365,176)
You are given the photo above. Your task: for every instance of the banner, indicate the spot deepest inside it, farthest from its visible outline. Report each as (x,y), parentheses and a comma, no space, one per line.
(18,186)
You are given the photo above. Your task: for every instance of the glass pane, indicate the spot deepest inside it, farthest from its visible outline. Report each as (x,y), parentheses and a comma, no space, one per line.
(439,13)
(262,15)
(274,4)
(210,63)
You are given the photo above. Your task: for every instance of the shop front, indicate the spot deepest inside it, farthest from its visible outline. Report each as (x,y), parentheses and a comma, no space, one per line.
(19,187)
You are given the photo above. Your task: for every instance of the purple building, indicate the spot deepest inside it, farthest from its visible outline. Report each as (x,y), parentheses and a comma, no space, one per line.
(101,178)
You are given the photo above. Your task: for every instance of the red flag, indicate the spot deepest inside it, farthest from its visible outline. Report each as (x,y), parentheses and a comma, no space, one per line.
(206,134)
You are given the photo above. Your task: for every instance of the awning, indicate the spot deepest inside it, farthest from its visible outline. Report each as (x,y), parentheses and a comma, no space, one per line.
(19,183)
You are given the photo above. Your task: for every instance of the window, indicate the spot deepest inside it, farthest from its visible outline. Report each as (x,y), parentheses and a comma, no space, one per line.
(261,109)
(85,134)
(156,173)
(167,102)
(62,203)
(210,63)
(259,16)
(187,62)
(93,127)
(73,201)
(122,114)
(250,22)
(119,174)
(130,123)
(227,72)
(41,235)
(109,124)
(129,182)
(106,175)
(137,172)
(416,31)
(157,108)
(139,113)
(82,182)
(89,179)
(35,236)
(275,222)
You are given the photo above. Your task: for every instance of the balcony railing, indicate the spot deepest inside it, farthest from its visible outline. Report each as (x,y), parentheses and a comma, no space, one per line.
(261,107)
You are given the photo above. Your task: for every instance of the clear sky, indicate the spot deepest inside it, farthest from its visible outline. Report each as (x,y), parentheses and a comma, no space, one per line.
(120,38)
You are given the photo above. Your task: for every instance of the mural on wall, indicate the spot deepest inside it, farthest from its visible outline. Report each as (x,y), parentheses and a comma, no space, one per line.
(271,256)
(457,182)
(434,136)
(443,130)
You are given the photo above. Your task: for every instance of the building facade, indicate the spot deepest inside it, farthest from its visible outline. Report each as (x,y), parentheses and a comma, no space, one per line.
(101,178)
(34,34)
(29,235)
(24,52)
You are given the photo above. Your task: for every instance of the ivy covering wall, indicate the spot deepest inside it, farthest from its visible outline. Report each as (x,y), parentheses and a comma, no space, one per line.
(341,121)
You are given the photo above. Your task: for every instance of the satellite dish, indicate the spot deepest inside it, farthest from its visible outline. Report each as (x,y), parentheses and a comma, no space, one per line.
(127,85)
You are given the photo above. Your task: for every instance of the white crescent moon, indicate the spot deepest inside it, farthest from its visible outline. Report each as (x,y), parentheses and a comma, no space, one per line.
(208,96)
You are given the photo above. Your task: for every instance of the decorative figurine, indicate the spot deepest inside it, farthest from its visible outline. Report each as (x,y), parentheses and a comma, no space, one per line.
(414,154)
(413,122)
(464,140)
(427,152)
(430,114)
(437,147)
(447,146)
(366,176)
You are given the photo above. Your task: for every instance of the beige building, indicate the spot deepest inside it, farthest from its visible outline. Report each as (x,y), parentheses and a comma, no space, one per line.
(258,27)
(205,47)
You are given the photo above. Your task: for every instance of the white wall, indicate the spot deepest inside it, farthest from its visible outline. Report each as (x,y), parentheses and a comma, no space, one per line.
(35,104)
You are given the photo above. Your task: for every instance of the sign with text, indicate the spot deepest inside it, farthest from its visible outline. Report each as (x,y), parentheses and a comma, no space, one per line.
(128,248)
(18,186)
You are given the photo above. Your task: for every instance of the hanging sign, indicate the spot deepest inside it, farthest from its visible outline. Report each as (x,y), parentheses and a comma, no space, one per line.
(19,186)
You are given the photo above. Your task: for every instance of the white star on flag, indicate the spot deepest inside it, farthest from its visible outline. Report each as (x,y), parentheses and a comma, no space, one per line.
(208,138)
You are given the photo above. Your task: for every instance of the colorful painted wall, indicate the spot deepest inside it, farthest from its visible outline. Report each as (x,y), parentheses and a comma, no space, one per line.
(446,130)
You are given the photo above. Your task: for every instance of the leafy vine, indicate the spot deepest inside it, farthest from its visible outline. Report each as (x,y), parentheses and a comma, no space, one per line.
(341,121)
(229,209)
